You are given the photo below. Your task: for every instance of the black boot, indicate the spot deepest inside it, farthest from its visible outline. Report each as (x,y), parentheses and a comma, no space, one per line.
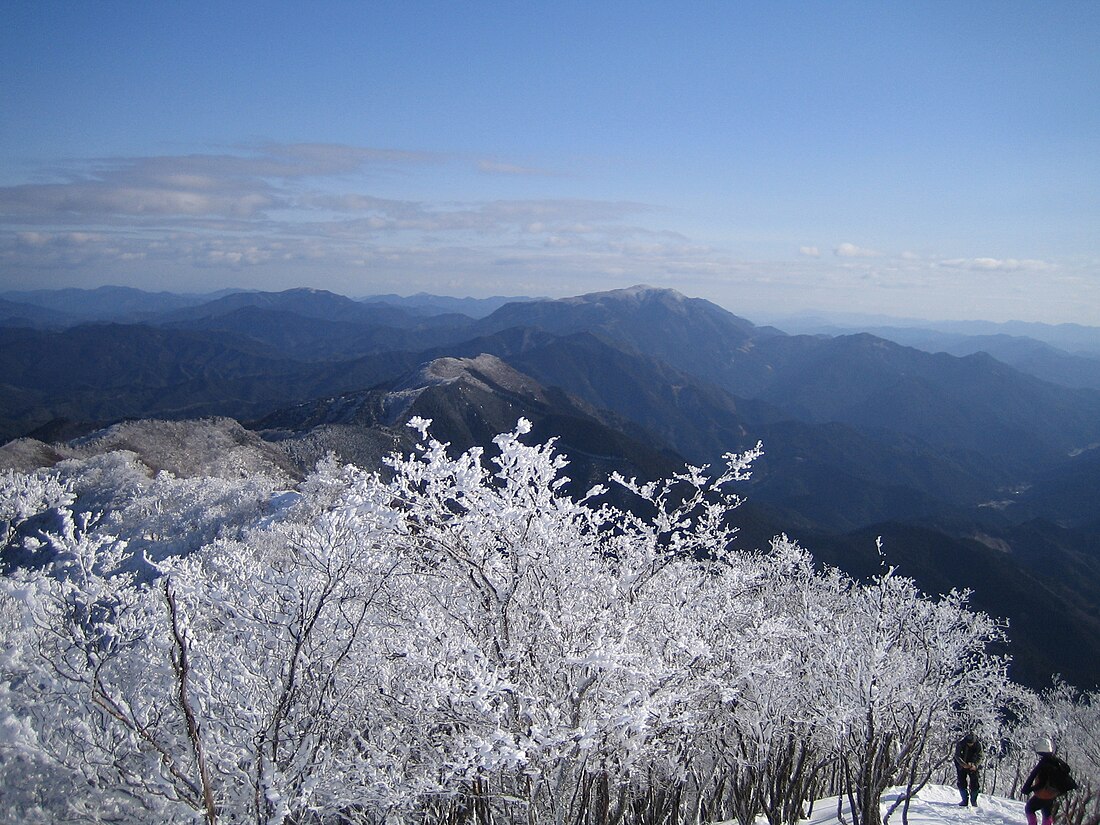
(974,799)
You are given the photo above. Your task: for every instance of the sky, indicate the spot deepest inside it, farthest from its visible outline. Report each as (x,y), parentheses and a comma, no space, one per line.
(920,159)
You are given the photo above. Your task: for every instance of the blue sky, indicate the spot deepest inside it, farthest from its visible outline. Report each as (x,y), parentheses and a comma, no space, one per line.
(933,159)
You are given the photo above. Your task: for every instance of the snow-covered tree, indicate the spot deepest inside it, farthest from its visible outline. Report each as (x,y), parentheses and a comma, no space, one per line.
(454,640)
(915,668)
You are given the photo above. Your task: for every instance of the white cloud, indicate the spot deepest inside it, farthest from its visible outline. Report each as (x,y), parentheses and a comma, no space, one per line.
(260,193)
(502,218)
(997,264)
(850,250)
(34,239)
(127,194)
(810,251)
(246,185)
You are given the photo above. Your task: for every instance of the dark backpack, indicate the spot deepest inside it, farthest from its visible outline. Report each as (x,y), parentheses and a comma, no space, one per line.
(1059,776)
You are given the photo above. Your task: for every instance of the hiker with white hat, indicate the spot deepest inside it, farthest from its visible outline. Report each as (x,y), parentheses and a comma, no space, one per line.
(1048,780)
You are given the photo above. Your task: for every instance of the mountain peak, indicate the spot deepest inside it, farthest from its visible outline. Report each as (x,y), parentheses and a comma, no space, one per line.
(484,371)
(638,293)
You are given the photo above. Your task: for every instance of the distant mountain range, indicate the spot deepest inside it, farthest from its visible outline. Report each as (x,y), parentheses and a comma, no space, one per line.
(977,472)
(427,304)
(1067,354)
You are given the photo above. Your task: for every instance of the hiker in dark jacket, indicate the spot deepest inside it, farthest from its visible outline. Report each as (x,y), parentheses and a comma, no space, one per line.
(1048,779)
(968,756)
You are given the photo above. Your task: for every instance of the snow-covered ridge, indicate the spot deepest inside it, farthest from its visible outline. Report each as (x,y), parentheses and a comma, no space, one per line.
(476,372)
(633,294)
(217,447)
(449,370)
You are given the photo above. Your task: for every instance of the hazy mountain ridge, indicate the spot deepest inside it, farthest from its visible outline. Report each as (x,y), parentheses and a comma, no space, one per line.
(430,305)
(19,314)
(1071,338)
(317,304)
(972,402)
(106,303)
(1067,354)
(312,338)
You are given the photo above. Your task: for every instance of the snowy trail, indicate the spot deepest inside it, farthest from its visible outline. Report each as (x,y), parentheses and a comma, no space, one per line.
(934,805)
(939,805)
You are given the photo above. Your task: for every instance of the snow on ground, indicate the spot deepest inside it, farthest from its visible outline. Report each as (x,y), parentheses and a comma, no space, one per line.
(934,805)
(939,805)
